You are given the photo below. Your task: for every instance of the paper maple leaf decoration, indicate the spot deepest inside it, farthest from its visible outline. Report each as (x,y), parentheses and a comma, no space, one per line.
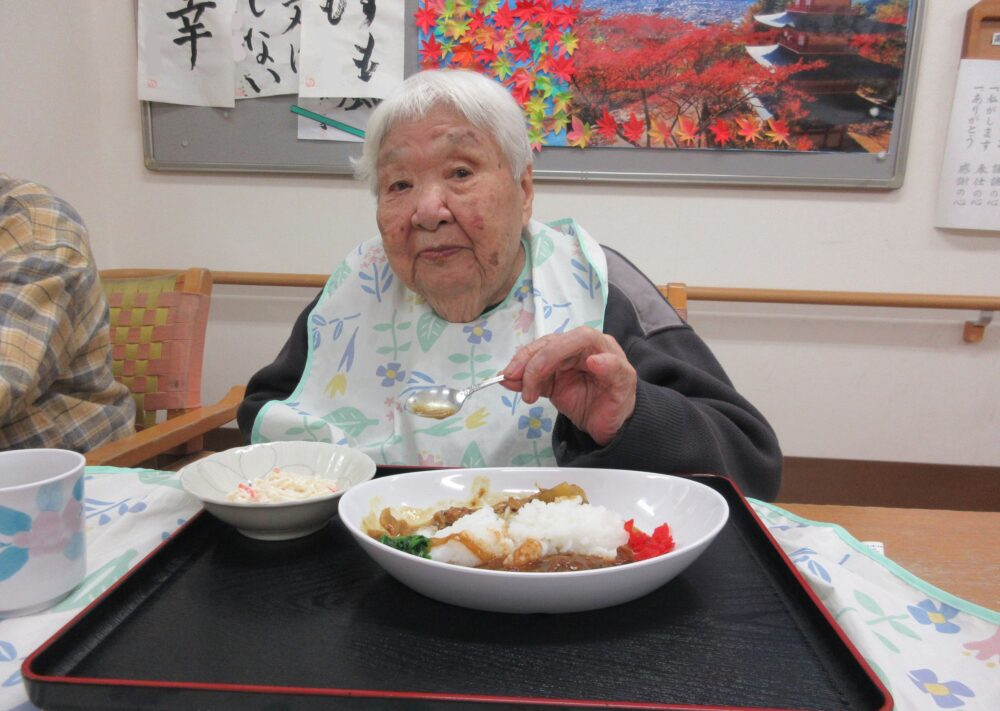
(528,46)
(721,132)
(779,132)
(430,53)
(579,136)
(536,137)
(456,29)
(659,132)
(748,129)
(425,18)
(687,129)
(521,83)
(633,129)
(463,56)
(607,127)
(520,51)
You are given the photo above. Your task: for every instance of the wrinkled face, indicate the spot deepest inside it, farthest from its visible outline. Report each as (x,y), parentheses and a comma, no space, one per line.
(451,213)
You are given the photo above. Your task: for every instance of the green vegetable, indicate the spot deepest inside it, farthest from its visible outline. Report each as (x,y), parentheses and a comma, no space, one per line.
(414,545)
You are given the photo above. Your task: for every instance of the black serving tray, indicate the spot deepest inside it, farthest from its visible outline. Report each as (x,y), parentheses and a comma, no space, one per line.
(215,620)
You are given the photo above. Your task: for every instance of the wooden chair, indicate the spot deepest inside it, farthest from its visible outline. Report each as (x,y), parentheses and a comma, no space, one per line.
(158,323)
(676,294)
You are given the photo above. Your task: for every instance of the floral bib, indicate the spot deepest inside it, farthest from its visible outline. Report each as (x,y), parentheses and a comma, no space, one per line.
(373,342)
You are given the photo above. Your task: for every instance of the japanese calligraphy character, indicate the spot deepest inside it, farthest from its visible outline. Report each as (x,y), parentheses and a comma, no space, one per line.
(368,8)
(272,28)
(296,15)
(364,63)
(192,28)
(334,10)
(357,104)
(264,56)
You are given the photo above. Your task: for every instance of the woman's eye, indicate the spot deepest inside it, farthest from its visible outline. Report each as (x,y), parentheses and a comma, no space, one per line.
(398,186)
(462,173)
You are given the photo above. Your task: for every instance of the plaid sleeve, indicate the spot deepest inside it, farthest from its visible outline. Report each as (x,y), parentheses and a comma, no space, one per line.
(56,385)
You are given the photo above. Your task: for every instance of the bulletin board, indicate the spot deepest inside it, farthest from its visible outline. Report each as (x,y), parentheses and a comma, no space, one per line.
(260,135)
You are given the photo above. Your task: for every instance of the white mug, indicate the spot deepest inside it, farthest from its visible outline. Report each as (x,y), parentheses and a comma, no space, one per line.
(42,545)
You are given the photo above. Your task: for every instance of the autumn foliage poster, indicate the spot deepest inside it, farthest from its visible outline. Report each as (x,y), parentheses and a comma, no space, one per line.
(732,75)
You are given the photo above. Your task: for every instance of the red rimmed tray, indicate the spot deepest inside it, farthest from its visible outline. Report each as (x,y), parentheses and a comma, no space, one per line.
(212,619)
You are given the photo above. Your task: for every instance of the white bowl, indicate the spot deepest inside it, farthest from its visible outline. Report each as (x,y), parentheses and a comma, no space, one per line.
(694,512)
(212,478)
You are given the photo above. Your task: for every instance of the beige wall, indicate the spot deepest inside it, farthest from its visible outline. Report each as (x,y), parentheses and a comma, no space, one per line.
(877,384)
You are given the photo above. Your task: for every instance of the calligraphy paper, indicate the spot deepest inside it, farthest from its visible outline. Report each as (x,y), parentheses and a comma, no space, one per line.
(186,52)
(969,191)
(350,48)
(266,47)
(353,112)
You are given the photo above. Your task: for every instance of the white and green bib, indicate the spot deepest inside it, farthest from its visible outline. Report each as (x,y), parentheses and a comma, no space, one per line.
(372,342)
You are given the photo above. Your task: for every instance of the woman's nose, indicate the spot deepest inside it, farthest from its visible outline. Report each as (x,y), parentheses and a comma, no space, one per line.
(432,209)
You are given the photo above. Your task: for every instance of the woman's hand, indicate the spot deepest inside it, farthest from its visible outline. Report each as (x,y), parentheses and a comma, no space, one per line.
(584,373)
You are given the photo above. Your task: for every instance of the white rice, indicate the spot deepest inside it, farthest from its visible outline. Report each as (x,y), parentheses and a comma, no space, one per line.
(570,526)
(489,532)
(538,529)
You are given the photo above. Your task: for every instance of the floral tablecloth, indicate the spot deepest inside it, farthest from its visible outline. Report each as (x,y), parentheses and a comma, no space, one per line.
(931,649)
(128,513)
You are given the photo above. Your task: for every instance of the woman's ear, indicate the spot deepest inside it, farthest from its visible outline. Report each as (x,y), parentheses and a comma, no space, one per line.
(528,193)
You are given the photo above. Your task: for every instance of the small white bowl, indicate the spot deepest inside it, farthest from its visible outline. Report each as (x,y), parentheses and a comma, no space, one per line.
(211,479)
(695,513)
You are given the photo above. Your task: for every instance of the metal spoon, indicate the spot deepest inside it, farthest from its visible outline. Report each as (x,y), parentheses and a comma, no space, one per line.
(441,401)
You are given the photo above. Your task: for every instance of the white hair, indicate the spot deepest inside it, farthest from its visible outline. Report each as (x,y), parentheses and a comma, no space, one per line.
(484,103)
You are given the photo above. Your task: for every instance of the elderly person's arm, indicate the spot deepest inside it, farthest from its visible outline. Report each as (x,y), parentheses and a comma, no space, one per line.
(685,416)
(278,380)
(57,388)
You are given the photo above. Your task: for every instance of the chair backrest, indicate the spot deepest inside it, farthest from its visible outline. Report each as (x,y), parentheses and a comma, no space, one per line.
(158,323)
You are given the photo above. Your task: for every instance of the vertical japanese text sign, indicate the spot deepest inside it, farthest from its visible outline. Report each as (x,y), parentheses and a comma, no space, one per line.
(969,191)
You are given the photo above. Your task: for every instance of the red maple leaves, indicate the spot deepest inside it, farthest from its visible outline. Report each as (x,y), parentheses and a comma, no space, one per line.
(647,80)
(668,83)
(607,126)
(633,129)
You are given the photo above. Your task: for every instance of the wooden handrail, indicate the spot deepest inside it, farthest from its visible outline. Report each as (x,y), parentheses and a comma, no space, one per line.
(679,293)
(842,298)
(317,281)
(701,293)
(972,331)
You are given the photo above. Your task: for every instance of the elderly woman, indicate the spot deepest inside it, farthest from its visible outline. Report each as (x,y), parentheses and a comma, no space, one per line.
(462,284)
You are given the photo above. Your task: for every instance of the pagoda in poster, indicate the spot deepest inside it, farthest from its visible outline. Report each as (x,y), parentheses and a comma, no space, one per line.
(849,91)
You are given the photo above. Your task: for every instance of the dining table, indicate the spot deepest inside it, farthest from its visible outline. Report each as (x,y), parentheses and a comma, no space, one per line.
(916,591)
(957,551)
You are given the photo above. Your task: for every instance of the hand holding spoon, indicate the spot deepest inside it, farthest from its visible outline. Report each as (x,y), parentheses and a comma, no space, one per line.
(441,401)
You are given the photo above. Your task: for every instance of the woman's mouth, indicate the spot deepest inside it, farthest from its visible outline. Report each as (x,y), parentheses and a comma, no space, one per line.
(438,254)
